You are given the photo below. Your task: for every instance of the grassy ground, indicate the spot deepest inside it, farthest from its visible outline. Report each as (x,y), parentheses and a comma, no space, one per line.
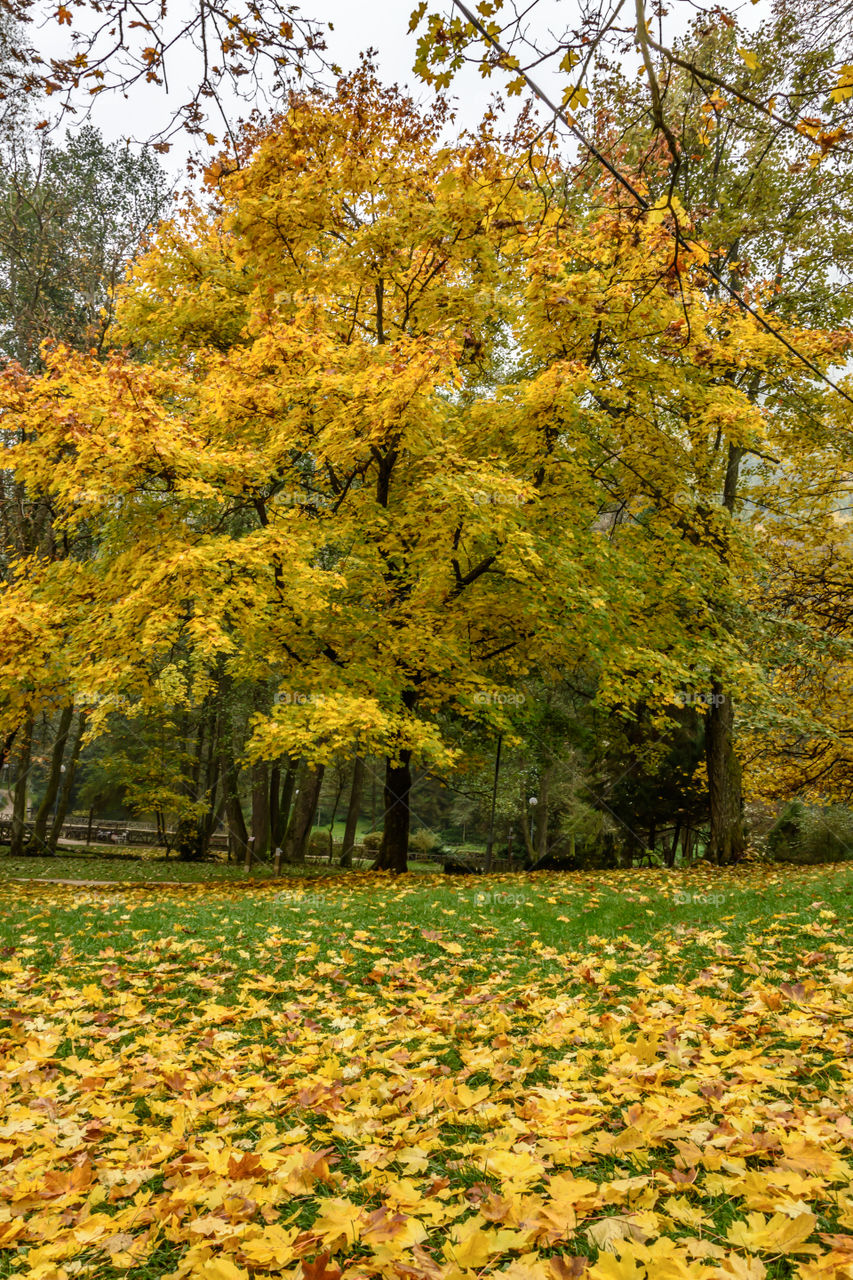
(639,1074)
(127,864)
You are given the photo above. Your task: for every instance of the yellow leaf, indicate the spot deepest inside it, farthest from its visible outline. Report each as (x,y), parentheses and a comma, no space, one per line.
(779,1234)
(844,88)
(609,1231)
(470,1097)
(339,1218)
(514,1167)
(221,1269)
(609,1267)
(469,1245)
(578,96)
(272,1247)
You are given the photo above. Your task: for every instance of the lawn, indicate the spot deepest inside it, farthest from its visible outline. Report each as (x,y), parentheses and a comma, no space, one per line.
(150,867)
(131,866)
(626,1075)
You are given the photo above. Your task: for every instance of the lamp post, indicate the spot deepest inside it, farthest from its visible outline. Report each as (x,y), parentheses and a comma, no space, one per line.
(56,802)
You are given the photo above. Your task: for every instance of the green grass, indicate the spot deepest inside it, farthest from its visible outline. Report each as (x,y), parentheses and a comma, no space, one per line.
(529,921)
(124,865)
(298,955)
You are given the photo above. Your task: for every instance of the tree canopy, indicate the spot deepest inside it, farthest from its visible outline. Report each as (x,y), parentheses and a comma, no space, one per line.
(387,422)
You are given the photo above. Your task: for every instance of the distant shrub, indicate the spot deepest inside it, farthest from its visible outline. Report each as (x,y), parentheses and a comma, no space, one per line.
(809,834)
(423,842)
(318,844)
(372,841)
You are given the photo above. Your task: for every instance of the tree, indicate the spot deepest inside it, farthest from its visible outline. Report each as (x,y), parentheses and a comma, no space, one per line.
(353,811)
(71,219)
(402,423)
(498,37)
(776,224)
(809,589)
(54,780)
(377,326)
(111,46)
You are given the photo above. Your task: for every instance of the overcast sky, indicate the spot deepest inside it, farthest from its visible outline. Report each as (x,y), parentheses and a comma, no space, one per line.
(378,24)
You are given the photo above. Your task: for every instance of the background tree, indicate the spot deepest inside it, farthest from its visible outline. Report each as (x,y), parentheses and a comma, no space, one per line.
(776,223)
(521,44)
(71,219)
(114,47)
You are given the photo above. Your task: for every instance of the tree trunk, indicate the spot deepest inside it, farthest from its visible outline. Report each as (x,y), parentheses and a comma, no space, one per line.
(373,798)
(687,844)
(233,808)
(19,797)
(302,815)
(394,850)
(671,849)
(38,840)
(353,811)
(68,781)
(6,746)
(727,843)
(198,754)
(490,843)
(285,800)
(275,783)
(337,800)
(260,808)
(212,814)
(527,824)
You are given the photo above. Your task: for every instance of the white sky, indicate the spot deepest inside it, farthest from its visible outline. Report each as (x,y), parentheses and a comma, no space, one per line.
(378,24)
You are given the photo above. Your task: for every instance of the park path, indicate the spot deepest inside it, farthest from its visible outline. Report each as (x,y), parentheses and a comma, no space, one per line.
(118,884)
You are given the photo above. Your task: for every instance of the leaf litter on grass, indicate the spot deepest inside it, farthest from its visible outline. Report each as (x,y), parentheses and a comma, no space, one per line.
(228,1083)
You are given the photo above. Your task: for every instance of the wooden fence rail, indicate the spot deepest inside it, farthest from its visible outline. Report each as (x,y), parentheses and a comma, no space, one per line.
(108,833)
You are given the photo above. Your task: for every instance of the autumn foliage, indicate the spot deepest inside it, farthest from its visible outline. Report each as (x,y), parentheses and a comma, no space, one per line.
(397,420)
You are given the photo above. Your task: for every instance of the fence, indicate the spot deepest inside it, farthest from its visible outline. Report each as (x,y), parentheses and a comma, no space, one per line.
(123,833)
(108,833)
